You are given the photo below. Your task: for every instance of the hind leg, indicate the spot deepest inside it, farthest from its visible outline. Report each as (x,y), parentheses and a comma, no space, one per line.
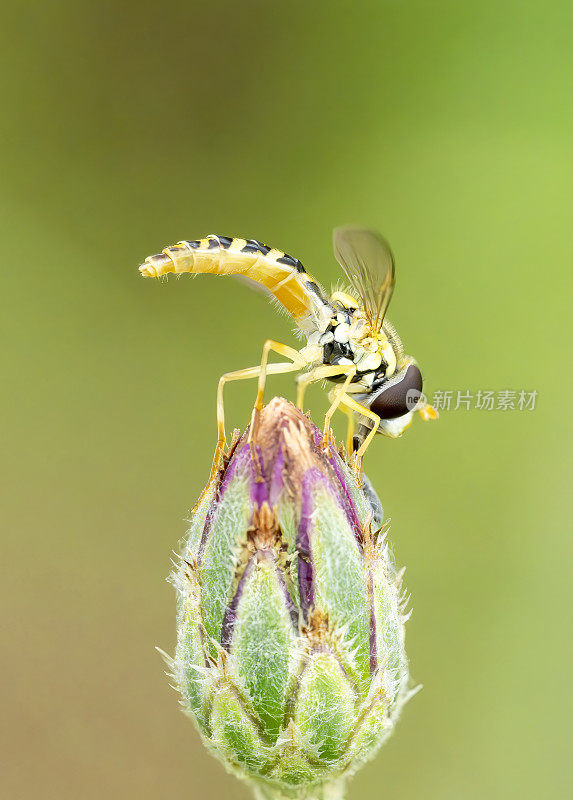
(239,375)
(265,369)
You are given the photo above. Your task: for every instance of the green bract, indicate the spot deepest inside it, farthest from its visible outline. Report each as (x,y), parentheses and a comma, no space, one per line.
(290,647)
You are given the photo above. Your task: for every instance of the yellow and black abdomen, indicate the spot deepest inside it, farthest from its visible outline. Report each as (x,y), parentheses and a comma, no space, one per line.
(283,276)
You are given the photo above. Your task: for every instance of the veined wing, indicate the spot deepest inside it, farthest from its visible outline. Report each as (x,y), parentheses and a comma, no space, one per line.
(368,263)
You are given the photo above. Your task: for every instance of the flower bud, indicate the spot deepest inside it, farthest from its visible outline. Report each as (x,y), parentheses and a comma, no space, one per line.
(290,632)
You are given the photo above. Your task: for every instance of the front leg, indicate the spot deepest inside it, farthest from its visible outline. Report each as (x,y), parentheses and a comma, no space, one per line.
(350,405)
(319,374)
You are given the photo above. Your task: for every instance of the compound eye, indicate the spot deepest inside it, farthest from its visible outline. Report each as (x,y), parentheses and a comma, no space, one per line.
(399,394)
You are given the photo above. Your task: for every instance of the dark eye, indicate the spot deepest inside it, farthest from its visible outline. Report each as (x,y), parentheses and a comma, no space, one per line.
(399,394)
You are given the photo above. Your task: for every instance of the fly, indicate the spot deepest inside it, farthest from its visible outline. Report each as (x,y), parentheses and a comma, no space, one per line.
(349,341)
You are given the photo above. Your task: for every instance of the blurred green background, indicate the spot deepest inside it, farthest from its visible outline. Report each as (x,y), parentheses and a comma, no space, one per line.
(127,126)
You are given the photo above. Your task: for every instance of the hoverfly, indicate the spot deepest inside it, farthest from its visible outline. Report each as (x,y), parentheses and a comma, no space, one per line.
(348,339)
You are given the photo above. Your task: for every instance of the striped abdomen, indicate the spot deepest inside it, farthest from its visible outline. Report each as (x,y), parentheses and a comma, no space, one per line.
(283,276)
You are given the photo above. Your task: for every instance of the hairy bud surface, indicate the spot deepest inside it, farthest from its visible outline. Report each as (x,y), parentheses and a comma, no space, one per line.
(290,631)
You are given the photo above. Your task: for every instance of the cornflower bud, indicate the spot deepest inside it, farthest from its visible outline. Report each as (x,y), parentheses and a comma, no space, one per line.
(290,629)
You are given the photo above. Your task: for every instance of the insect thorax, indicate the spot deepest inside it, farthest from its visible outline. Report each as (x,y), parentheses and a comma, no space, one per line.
(347,340)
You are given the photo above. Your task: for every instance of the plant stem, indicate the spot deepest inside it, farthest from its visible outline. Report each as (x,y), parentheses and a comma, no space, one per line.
(329,791)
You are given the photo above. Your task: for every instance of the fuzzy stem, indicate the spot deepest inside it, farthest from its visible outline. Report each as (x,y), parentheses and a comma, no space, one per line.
(329,791)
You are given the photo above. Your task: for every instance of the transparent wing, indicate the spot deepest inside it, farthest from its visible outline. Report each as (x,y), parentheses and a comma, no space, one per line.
(368,263)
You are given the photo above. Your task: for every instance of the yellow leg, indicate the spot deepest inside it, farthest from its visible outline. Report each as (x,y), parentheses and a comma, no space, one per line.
(318,374)
(240,375)
(266,368)
(427,412)
(282,350)
(349,431)
(338,393)
(350,426)
(346,402)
